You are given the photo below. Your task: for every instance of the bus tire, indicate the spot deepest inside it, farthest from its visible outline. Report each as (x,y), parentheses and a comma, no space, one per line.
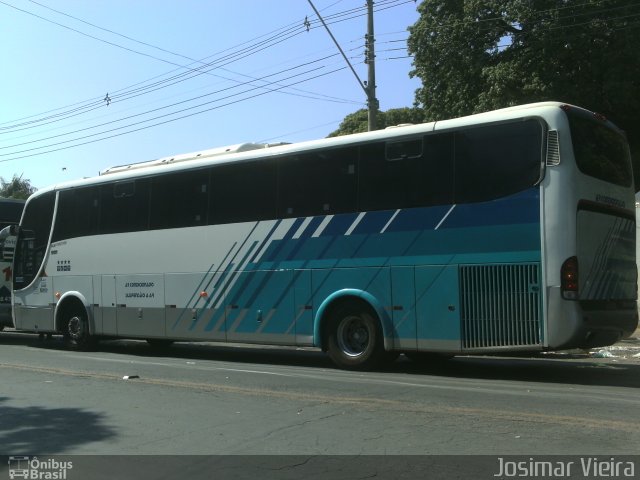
(75,330)
(355,338)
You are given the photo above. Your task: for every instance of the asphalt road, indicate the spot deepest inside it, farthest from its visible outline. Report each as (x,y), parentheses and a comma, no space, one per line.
(204,399)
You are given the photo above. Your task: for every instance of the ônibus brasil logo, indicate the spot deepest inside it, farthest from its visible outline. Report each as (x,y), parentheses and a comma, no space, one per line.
(32,468)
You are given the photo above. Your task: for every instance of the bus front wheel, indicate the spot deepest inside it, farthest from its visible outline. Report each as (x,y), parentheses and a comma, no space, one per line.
(355,338)
(76,330)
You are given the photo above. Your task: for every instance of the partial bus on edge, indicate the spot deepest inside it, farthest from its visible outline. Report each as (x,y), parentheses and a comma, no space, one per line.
(10,212)
(512,230)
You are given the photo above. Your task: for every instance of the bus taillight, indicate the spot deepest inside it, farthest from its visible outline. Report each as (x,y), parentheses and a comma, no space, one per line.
(569,278)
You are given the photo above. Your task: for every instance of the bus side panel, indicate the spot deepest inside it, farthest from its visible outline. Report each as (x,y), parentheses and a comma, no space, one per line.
(5,294)
(108,305)
(260,308)
(193,301)
(38,315)
(404,308)
(437,308)
(303,307)
(37,319)
(140,305)
(376,281)
(97,312)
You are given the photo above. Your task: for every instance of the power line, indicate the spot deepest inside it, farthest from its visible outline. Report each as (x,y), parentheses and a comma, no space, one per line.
(128,94)
(99,104)
(186,112)
(155,124)
(89,35)
(125,94)
(263,78)
(114,32)
(198,70)
(290,134)
(308,64)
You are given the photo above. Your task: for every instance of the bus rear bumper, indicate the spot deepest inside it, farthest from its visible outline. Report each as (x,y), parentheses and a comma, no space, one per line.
(589,324)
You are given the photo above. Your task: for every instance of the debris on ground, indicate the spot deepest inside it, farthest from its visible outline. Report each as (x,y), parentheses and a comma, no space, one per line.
(602,354)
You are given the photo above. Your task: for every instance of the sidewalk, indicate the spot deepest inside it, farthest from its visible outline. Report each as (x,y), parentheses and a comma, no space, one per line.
(628,348)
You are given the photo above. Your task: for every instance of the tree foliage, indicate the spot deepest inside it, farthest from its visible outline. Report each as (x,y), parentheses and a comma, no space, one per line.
(478,55)
(358,121)
(17,187)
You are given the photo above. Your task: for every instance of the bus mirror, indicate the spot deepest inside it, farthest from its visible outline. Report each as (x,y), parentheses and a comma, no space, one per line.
(14,230)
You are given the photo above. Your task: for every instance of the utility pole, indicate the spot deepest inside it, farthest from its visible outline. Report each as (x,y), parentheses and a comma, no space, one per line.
(369,86)
(370,60)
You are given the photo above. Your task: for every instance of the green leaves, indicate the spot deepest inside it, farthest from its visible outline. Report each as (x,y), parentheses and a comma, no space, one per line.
(357,122)
(478,55)
(16,188)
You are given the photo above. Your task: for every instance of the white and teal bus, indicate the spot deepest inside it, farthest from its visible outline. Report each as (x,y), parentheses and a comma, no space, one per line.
(10,212)
(512,230)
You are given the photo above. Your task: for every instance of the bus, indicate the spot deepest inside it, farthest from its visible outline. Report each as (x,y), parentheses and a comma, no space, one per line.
(511,230)
(10,212)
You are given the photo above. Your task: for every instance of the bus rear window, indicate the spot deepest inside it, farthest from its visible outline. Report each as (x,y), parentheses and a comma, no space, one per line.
(599,151)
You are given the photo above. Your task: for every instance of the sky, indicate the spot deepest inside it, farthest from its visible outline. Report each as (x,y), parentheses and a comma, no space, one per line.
(166,77)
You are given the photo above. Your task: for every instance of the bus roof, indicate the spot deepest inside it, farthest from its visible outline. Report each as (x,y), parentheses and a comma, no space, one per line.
(250,151)
(242,147)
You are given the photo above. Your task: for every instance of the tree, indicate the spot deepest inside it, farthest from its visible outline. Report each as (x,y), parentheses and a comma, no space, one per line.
(358,121)
(17,187)
(478,55)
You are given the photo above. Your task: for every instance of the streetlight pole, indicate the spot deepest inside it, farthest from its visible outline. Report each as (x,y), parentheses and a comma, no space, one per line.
(372,101)
(369,87)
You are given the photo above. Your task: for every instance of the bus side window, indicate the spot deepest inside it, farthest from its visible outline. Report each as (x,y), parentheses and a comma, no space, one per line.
(408,173)
(318,183)
(243,192)
(497,160)
(124,206)
(381,184)
(436,175)
(78,213)
(179,200)
(32,241)
(404,149)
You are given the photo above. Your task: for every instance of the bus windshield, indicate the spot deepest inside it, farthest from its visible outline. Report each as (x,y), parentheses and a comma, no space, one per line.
(10,212)
(33,237)
(600,151)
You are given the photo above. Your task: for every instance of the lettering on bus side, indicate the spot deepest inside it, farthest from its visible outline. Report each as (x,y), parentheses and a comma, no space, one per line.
(615,202)
(139,285)
(140,293)
(63,266)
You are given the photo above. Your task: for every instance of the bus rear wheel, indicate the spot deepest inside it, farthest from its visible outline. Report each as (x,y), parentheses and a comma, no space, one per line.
(75,330)
(355,338)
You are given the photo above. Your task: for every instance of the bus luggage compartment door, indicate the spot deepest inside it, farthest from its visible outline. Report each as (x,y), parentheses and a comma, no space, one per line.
(140,308)
(38,315)
(437,308)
